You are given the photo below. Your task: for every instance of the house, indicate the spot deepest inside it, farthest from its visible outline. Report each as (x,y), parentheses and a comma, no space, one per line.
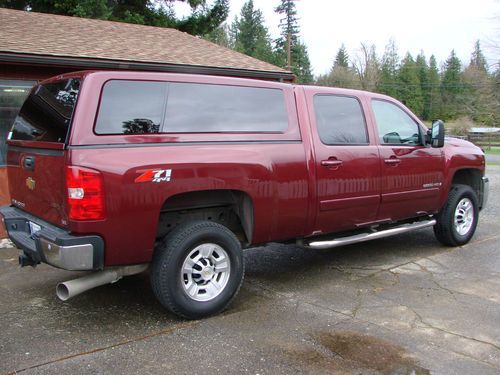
(35,46)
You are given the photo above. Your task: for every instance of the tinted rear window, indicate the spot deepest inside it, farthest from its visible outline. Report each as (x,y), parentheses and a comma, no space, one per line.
(135,107)
(200,108)
(131,107)
(340,120)
(46,114)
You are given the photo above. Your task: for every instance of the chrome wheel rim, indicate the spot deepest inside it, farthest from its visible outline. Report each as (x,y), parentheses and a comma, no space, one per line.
(205,272)
(464,216)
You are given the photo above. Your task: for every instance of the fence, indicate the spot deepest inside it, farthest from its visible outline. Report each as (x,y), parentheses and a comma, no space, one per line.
(485,140)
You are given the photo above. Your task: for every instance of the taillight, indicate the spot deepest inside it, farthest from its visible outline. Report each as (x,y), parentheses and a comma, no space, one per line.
(85,194)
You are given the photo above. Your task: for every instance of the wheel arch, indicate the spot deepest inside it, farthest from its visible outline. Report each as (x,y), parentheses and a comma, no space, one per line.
(468,176)
(231,208)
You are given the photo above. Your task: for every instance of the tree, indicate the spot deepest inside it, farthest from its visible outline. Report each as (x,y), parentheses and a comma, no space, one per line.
(387,83)
(299,57)
(434,82)
(478,61)
(409,90)
(366,67)
(341,74)
(251,36)
(221,36)
(203,19)
(423,78)
(480,101)
(342,58)
(452,89)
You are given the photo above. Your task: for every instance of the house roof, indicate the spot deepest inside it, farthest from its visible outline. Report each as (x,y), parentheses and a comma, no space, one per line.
(54,40)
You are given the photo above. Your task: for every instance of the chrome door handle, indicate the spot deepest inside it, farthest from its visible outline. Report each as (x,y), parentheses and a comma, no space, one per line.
(331,163)
(392,161)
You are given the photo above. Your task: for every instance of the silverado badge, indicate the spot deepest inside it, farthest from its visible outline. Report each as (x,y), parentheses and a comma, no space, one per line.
(30,183)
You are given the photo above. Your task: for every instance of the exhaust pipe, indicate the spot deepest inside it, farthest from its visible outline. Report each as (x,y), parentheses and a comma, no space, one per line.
(74,287)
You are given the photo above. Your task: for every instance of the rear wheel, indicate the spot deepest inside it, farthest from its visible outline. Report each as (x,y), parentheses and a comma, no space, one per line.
(457,221)
(197,269)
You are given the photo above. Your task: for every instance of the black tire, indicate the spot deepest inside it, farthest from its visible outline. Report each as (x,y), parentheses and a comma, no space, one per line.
(170,282)
(446,229)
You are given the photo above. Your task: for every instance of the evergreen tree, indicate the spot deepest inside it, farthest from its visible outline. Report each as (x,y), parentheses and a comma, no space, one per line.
(341,74)
(203,19)
(478,61)
(452,88)
(251,36)
(221,36)
(300,63)
(389,70)
(434,82)
(423,77)
(342,58)
(409,90)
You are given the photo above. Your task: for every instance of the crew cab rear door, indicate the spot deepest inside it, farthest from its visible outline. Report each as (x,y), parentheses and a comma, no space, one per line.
(36,155)
(346,162)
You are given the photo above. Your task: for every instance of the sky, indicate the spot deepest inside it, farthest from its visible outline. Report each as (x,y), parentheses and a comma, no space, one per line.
(433,26)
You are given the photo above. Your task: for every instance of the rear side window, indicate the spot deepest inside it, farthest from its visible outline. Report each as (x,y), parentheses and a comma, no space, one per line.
(46,114)
(137,107)
(200,108)
(131,107)
(340,120)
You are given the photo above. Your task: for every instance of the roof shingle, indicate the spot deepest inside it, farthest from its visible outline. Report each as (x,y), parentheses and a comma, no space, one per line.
(53,35)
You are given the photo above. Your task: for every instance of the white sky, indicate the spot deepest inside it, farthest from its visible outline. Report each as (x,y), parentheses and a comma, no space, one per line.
(434,26)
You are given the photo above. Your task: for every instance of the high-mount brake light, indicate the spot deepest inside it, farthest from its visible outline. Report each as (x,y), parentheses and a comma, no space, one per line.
(85,194)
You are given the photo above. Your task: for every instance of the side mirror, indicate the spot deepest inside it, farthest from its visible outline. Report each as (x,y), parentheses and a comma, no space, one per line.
(437,134)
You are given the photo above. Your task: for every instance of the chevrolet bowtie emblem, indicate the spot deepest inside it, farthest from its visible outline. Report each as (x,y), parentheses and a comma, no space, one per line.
(30,183)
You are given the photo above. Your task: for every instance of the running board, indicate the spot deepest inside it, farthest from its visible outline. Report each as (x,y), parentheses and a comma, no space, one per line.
(370,236)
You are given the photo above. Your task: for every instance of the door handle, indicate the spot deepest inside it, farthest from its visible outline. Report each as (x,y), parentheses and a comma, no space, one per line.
(331,163)
(29,163)
(392,161)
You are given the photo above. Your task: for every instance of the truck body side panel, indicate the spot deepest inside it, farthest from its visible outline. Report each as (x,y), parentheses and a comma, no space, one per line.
(273,175)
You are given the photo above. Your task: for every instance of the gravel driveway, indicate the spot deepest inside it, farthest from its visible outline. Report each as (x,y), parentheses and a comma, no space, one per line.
(401,305)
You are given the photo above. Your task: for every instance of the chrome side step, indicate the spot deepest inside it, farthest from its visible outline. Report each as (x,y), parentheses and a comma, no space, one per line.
(370,236)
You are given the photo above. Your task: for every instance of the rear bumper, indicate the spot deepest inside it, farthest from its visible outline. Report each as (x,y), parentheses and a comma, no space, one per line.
(52,245)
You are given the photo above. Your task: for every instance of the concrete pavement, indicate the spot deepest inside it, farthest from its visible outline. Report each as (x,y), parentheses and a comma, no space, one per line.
(401,305)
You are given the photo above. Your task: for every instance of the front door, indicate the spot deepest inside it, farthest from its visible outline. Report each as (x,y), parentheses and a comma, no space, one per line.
(412,173)
(347,164)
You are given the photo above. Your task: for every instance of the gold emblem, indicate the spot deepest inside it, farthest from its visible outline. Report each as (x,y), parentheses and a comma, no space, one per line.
(30,183)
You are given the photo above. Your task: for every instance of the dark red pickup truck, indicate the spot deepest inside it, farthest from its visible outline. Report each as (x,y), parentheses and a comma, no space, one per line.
(114,171)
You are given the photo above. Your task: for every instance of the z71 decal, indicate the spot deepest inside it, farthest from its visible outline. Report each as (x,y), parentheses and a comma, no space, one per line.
(154,175)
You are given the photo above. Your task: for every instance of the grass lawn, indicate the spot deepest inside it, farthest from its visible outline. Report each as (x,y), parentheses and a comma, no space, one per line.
(492,151)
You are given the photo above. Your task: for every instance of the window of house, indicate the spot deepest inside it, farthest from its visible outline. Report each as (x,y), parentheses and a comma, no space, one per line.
(340,120)
(394,125)
(12,95)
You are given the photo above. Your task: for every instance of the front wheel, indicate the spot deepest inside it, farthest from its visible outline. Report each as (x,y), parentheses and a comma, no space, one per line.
(197,269)
(457,221)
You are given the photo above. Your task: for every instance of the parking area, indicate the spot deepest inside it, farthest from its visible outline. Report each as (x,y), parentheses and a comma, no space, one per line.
(400,305)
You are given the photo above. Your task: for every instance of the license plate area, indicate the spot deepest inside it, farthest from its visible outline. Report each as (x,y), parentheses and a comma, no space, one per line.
(34,227)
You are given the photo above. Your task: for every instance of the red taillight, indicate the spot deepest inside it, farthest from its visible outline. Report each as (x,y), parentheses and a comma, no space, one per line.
(85,194)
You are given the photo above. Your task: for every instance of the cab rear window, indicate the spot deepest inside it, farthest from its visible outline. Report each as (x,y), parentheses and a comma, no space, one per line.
(46,114)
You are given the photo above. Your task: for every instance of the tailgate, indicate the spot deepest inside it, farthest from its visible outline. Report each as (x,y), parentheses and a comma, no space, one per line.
(36,155)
